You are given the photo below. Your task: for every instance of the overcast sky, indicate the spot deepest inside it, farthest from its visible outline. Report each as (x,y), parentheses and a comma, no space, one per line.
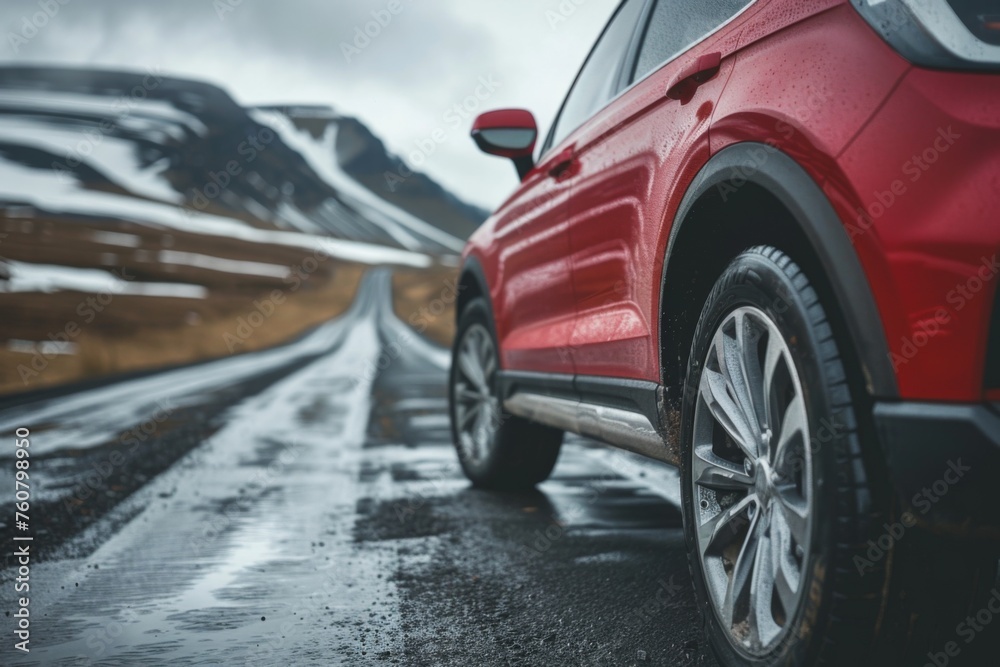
(429,57)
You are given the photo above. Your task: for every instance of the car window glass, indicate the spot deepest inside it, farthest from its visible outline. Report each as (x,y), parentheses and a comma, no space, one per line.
(598,80)
(677,24)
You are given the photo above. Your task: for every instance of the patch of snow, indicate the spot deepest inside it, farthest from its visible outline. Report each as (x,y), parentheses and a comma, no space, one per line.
(321,155)
(112,156)
(223,265)
(48,278)
(50,191)
(48,348)
(100,106)
(116,239)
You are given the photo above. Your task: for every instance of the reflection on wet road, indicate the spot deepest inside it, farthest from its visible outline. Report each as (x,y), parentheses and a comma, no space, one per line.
(310,511)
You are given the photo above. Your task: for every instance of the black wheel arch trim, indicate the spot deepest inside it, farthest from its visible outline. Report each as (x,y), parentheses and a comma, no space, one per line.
(795,189)
(472,267)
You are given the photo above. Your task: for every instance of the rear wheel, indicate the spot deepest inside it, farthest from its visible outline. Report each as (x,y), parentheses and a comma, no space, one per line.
(775,493)
(781,508)
(496,449)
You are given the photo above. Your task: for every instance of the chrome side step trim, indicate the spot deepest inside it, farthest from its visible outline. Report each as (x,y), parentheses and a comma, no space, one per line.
(622,428)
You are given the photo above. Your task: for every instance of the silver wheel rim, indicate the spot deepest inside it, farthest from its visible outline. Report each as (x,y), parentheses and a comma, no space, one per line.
(752,481)
(476,405)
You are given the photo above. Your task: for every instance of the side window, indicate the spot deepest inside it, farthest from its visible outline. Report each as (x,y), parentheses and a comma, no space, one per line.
(677,24)
(598,80)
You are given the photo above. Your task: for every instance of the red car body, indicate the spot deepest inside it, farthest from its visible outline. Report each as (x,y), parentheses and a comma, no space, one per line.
(884,178)
(909,159)
(832,162)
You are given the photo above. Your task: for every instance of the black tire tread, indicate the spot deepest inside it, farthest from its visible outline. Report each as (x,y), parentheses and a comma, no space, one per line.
(848,632)
(879,617)
(524,452)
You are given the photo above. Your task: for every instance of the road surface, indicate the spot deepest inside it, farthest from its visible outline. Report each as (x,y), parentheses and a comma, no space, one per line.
(304,506)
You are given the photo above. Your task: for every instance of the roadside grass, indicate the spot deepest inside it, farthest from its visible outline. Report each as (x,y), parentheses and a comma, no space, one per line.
(425,300)
(123,333)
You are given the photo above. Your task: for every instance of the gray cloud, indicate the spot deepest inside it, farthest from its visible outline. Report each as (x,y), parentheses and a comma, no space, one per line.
(425,60)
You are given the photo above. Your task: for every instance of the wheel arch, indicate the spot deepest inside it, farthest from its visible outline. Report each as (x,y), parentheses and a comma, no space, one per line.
(749,194)
(472,284)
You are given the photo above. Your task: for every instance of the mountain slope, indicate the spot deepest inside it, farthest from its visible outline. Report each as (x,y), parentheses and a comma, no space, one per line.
(134,143)
(366,159)
(147,222)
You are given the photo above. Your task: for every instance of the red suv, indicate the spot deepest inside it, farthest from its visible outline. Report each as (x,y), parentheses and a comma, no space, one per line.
(760,243)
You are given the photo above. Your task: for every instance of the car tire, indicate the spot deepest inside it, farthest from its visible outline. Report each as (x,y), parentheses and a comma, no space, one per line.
(851,607)
(496,450)
(774,505)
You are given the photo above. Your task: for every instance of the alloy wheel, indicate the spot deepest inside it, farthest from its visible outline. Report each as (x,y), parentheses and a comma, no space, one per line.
(476,403)
(752,473)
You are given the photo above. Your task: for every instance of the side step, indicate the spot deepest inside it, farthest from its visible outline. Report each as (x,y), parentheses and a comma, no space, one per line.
(623,428)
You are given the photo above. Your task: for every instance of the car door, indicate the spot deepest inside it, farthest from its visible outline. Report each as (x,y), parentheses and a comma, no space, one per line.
(632,162)
(536,308)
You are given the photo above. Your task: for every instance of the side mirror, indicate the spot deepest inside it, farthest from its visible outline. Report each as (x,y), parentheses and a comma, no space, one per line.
(509,133)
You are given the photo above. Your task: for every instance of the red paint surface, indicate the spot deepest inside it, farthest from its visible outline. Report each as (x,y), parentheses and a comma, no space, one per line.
(909,158)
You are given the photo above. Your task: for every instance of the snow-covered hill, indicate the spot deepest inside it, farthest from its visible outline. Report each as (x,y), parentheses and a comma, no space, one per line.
(151,149)
(147,222)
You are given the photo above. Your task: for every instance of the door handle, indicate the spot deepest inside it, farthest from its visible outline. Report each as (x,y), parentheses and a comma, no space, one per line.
(563,165)
(694,75)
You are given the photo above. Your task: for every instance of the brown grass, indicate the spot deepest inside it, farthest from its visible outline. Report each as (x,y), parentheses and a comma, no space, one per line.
(131,333)
(425,300)
(122,339)
(134,333)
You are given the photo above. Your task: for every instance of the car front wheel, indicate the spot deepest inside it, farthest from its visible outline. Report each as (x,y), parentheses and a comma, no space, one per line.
(496,449)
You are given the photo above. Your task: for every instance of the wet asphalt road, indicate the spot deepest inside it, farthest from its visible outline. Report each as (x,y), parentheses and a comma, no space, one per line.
(304,506)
